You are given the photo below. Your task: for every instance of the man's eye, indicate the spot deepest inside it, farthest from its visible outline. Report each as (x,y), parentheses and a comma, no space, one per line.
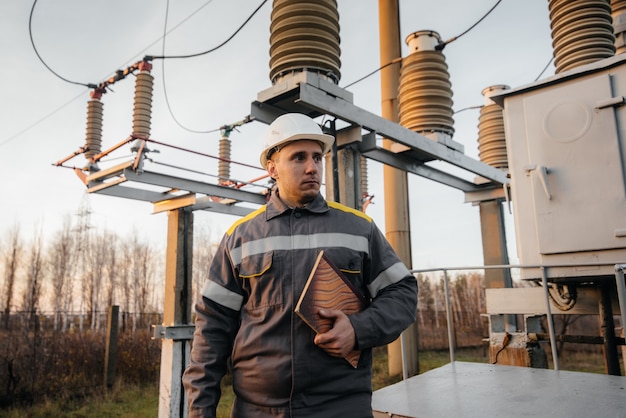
(317,158)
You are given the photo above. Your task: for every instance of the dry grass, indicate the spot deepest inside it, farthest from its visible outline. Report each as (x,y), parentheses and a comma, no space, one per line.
(132,401)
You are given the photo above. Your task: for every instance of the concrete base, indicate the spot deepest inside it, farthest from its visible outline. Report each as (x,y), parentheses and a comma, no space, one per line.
(463,389)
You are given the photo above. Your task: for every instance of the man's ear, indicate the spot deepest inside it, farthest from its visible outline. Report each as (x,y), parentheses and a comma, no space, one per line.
(271,169)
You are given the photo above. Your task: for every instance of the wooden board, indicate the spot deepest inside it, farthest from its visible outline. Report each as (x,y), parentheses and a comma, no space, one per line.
(328,288)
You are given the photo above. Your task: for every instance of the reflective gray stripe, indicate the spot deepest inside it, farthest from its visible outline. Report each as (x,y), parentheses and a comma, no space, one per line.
(392,275)
(298,242)
(221,295)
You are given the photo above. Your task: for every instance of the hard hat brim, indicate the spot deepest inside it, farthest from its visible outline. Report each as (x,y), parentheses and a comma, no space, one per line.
(326,141)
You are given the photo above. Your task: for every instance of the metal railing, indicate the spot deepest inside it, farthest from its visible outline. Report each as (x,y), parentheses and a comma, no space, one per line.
(619,279)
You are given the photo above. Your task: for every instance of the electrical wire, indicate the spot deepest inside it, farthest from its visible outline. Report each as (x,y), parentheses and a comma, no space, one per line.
(544,69)
(32,125)
(172,29)
(442,45)
(163,57)
(176,147)
(165,95)
(468,108)
(89,85)
(505,342)
(93,85)
(373,72)
(439,47)
(32,42)
(216,47)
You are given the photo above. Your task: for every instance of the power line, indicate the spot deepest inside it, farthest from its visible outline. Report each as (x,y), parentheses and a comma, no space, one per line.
(163,57)
(32,125)
(32,41)
(89,85)
(442,45)
(439,47)
(134,58)
(16,135)
(544,69)
(373,72)
(218,46)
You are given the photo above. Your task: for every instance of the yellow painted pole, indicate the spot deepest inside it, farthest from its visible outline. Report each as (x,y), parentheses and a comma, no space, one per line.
(395,181)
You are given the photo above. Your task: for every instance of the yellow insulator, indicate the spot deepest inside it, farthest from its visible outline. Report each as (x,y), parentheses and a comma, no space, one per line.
(304,36)
(224,163)
(142,109)
(93,139)
(364,175)
(424,93)
(582,32)
(491,136)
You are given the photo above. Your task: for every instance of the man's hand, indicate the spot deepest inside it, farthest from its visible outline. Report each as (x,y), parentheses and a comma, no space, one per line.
(340,339)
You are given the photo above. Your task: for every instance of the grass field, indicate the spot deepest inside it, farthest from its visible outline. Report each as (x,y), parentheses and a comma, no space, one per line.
(139,402)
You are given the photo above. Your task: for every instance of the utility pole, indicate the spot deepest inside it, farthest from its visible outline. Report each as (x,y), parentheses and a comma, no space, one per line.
(403,353)
(176,331)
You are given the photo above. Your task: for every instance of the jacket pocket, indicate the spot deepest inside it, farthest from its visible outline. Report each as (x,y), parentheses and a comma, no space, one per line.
(350,264)
(260,279)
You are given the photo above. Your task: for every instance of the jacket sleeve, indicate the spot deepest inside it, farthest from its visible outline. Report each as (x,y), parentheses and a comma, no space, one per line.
(216,325)
(393,290)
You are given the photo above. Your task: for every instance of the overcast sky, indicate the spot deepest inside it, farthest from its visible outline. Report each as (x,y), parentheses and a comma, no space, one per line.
(43,118)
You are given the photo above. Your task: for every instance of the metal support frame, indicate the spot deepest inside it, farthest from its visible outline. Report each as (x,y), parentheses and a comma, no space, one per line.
(621,291)
(314,96)
(116,181)
(621,294)
(173,332)
(555,354)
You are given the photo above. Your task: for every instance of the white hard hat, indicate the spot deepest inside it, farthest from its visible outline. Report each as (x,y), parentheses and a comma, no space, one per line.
(292,127)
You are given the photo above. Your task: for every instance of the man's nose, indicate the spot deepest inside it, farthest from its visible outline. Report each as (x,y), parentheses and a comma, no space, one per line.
(311,165)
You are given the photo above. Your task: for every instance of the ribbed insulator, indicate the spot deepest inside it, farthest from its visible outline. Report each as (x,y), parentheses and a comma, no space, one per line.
(304,36)
(223,170)
(142,109)
(425,93)
(618,13)
(363,173)
(491,135)
(93,140)
(582,32)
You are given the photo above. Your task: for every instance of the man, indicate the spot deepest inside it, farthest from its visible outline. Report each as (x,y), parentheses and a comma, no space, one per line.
(280,368)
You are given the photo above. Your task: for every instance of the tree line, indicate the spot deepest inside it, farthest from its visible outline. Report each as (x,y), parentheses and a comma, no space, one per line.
(73,276)
(55,292)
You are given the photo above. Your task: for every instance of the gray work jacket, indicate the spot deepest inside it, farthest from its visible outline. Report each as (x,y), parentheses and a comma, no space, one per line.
(246,312)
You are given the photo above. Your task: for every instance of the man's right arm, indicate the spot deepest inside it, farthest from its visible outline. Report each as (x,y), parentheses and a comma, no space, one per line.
(211,347)
(217,322)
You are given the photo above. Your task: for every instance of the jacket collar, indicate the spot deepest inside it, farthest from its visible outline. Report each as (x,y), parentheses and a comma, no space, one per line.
(276,207)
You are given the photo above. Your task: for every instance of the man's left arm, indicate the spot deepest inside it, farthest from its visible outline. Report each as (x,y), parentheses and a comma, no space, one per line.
(394,297)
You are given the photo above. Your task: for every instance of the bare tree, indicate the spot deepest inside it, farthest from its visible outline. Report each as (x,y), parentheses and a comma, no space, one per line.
(124,275)
(425,298)
(94,268)
(34,278)
(83,245)
(11,260)
(62,265)
(142,277)
(203,252)
(111,269)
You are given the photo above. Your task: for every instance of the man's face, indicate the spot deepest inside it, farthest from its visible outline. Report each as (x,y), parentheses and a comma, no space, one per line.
(297,169)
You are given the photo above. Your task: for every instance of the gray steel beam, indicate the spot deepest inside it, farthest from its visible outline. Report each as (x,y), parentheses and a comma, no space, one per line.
(368,148)
(173,182)
(129,193)
(123,174)
(212,206)
(318,99)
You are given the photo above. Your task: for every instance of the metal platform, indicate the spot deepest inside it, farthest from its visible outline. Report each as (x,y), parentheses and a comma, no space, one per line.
(462,389)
